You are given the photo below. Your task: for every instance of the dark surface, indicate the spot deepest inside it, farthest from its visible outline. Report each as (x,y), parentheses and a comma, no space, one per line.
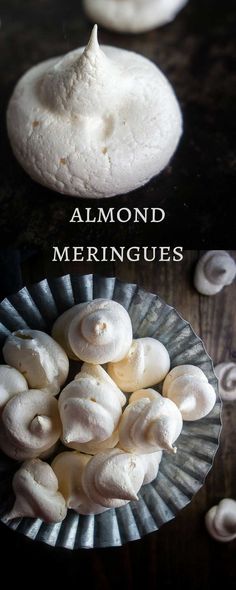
(181,553)
(197,52)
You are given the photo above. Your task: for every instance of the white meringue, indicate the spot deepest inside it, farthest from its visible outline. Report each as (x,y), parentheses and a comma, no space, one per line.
(90,408)
(150,423)
(41,360)
(69,468)
(96,332)
(113,478)
(214,270)
(146,364)
(151,463)
(187,386)
(94,123)
(221,521)
(11,383)
(132,16)
(226,375)
(30,424)
(36,489)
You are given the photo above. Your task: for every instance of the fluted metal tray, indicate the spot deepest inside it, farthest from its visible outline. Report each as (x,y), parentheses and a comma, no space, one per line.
(180,475)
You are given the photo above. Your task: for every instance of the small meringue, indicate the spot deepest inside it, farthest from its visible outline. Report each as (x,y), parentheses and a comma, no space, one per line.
(226,375)
(90,408)
(11,383)
(146,364)
(30,424)
(69,468)
(41,360)
(94,123)
(132,16)
(215,270)
(187,386)
(36,489)
(96,332)
(221,521)
(150,423)
(113,478)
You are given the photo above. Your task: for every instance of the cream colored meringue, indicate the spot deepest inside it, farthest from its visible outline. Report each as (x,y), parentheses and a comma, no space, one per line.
(36,489)
(214,270)
(41,360)
(96,332)
(187,386)
(94,123)
(146,364)
(226,375)
(151,463)
(113,478)
(11,383)
(221,521)
(150,423)
(132,16)
(30,424)
(90,408)
(69,468)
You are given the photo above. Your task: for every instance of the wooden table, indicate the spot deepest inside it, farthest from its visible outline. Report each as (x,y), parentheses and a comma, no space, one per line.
(182,549)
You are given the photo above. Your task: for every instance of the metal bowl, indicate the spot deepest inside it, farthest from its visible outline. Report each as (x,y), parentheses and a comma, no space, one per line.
(181,475)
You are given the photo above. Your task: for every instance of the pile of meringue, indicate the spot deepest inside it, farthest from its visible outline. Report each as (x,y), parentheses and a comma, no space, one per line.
(114,426)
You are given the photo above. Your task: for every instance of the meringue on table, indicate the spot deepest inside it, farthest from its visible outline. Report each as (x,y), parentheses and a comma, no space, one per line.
(36,489)
(187,386)
(150,423)
(11,383)
(146,364)
(215,270)
(41,360)
(97,122)
(95,332)
(90,409)
(221,521)
(132,16)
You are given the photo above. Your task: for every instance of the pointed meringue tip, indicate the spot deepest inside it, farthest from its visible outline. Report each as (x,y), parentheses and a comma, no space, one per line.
(171,449)
(93,44)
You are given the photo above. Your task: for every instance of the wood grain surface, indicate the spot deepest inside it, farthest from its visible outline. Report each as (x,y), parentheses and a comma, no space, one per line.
(182,549)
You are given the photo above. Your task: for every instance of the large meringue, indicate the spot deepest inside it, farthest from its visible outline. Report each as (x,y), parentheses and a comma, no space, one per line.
(150,423)
(69,468)
(36,489)
(221,521)
(214,270)
(113,478)
(96,332)
(132,16)
(187,386)
(146,364)
(41,360)
(90,408)
(95,123)
(11,383)
(30,424)
(226,375)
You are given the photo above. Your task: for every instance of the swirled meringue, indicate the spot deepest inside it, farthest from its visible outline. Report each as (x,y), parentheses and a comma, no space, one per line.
(113,478)
(187,386)
(41,360)
(132,16)
(11,383)
(146,364)
(30,424)
(150,423)
(214,270)
(151,463)
(36,489)
(96,332)
(90,408)
(69,468)
(95,123)
(221,521)
(226,375)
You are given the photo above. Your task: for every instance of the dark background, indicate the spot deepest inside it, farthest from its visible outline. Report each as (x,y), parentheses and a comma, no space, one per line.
(197,52)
